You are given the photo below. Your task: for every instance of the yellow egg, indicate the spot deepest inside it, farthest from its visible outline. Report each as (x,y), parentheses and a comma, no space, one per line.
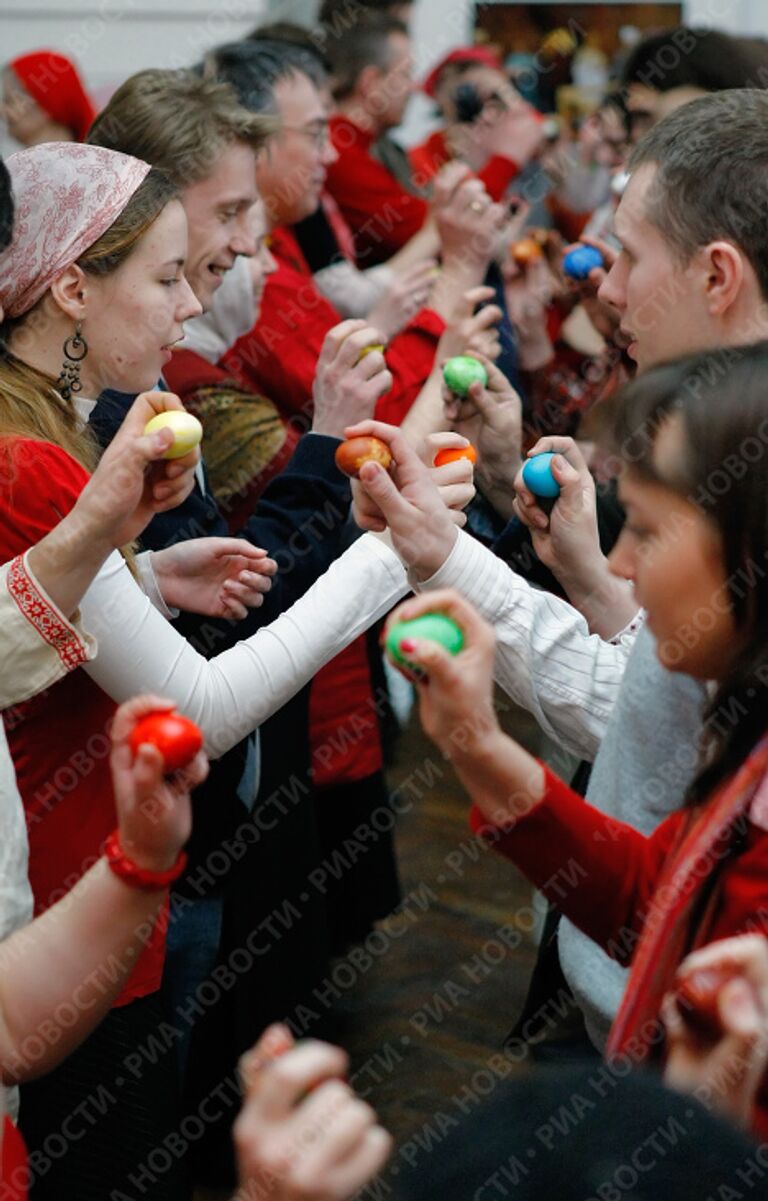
(187,431)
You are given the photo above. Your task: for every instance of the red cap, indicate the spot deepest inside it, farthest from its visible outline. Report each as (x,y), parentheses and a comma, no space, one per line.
(52,80)
(464,54)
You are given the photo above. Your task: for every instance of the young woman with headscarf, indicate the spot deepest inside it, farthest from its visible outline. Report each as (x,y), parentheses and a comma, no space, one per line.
(94,277)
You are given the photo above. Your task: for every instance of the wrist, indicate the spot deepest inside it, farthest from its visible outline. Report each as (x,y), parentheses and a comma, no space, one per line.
(147,871)
(432,558)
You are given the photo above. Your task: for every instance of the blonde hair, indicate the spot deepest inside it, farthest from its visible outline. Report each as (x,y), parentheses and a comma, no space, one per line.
(178,121)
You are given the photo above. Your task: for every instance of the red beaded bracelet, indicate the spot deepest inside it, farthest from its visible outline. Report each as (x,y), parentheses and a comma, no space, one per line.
(140,877)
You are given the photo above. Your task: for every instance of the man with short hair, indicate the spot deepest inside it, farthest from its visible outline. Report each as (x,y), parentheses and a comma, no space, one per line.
(692,274)
(372,83)
(278,356)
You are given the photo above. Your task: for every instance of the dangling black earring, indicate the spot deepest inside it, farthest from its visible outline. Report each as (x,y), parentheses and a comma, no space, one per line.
(75,350)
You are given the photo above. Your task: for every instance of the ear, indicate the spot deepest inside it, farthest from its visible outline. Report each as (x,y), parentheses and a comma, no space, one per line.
(69,292)
(725,276)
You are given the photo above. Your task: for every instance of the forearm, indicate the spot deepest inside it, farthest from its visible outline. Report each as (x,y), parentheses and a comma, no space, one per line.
(67,560)
(74,959)
(426,415)
(458,276)
(503,779)
(423,245)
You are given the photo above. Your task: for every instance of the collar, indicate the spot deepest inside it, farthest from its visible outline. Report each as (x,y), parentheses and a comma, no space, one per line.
(353,134)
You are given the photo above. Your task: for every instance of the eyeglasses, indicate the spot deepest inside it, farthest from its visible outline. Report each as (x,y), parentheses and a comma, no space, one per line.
(318,132)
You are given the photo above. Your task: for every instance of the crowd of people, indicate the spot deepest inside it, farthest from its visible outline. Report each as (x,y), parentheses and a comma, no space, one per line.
(246,240)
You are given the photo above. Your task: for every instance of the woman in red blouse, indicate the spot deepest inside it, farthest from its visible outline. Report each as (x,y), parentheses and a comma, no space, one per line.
(694,545)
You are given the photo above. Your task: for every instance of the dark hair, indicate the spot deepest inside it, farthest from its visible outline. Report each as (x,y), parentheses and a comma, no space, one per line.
(178,121)
(692,58)
(712,159)
(350,10)
(364,45)
(309,40)
(6,207)
(253,68)
(721,397)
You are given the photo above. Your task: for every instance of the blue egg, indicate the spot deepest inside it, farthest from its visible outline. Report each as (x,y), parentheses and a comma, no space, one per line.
(579,262)
(538,477)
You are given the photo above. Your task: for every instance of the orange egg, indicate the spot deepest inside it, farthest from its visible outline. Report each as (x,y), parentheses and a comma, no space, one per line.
(527,250)
(351,455)
(453,453)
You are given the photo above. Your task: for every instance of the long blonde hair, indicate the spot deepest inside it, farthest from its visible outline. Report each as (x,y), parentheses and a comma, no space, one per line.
(30,404)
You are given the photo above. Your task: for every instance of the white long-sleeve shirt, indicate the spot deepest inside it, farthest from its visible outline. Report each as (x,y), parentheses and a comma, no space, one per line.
(232,694)
(546,659)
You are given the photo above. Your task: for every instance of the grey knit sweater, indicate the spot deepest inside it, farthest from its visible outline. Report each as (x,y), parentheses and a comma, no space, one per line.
(645,762)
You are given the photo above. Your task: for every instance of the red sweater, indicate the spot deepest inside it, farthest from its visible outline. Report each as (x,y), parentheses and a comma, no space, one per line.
(278,357)
(603,873)
(59,740)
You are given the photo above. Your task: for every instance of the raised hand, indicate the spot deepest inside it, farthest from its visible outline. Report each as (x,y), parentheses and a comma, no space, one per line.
(153,811)
(422,528)
(406,295)
(303,1134)
(491,419)
(348,382)
(724,1074)
(133,482)
(218,577)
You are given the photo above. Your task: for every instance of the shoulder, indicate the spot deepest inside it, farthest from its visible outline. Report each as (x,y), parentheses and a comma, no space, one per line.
(39,484)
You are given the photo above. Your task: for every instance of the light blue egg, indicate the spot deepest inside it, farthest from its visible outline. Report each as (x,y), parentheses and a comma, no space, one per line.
(538,477)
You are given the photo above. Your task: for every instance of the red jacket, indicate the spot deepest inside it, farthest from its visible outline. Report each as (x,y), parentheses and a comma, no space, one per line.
(428,157)
(604,876)
(59,740)
(278,357)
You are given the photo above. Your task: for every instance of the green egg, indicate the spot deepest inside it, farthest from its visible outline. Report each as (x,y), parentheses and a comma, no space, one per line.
(460,373)
(432,627)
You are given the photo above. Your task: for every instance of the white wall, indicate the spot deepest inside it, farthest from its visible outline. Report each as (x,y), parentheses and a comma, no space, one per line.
(110,39)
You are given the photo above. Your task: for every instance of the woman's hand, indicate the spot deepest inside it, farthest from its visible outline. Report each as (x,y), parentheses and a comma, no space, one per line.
(132,481)
(567,539)
(348,382)
(725,1075)
(217,577)
(404,500)
(491,418)
(154,815)
(303,1134)
(456,691)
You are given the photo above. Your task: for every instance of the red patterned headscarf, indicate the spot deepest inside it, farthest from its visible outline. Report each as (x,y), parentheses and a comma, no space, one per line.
(65,196)
(52,80)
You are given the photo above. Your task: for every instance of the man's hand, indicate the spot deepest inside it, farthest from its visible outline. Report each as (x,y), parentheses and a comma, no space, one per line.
(422,529)
(491,419)
(348,382)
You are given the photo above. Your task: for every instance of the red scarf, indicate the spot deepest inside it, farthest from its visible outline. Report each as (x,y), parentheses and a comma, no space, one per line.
(667,929)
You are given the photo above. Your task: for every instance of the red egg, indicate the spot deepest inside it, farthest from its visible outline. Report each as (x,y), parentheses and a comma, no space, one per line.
(351,455)
(697,1000)
(176,737)
(453,453)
